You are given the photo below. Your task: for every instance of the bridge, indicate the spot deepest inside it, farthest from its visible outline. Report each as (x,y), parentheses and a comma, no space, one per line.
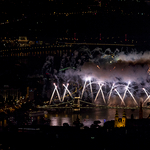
(76,104)
(48,107)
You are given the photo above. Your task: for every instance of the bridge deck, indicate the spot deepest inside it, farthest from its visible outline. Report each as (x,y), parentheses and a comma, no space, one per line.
(48,107)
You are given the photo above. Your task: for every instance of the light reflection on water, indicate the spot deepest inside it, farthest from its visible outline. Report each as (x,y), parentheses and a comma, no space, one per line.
(65,120)
(55,121)
(3,123)
(89,116)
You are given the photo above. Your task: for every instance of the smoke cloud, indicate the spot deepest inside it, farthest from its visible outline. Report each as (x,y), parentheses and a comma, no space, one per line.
(107,67)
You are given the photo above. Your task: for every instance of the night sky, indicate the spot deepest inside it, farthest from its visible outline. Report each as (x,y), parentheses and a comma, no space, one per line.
(51,19)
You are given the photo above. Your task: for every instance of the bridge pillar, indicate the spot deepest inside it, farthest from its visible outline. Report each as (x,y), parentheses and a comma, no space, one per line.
(76,104)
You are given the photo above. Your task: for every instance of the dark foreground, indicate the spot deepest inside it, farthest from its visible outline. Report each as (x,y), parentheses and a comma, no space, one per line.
(50,137)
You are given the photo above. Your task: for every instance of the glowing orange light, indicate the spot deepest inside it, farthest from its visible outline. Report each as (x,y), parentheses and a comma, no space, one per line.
(98,67)
(148,71)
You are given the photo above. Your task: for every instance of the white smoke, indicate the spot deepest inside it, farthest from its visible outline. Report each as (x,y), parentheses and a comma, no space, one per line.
(107,67)
(127,67)
(134,56)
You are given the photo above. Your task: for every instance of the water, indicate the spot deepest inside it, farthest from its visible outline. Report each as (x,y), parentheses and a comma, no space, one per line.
(87,116)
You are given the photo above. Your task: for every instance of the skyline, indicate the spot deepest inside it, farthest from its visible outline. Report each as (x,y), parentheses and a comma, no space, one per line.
(62,62)
(61,31)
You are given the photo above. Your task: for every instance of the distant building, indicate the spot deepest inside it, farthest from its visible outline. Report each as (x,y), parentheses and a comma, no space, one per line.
(124,122)
(23,41)
(120,122)
(30,93)
(7,91)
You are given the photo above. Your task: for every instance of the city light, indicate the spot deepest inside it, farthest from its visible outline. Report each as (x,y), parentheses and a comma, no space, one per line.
(74,63)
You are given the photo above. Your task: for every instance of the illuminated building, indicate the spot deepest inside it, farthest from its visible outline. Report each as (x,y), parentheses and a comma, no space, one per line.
(27,95)
(101,14)
(7,91)
(124,122)
(30,93)
(120,122)
(23,42)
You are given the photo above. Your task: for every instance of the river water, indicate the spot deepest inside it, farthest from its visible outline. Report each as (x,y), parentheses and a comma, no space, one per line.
(87,116)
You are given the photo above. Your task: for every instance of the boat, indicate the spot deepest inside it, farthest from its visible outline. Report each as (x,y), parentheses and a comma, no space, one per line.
(37,113)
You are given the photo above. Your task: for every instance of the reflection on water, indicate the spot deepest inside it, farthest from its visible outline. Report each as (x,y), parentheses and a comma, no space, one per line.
(87,116)
(3,123)
(38,119)
(45,115)
(55,121)
(65,120)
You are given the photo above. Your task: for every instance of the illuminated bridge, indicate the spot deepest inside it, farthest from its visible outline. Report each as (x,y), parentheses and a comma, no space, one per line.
(81,103)
(84,105)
